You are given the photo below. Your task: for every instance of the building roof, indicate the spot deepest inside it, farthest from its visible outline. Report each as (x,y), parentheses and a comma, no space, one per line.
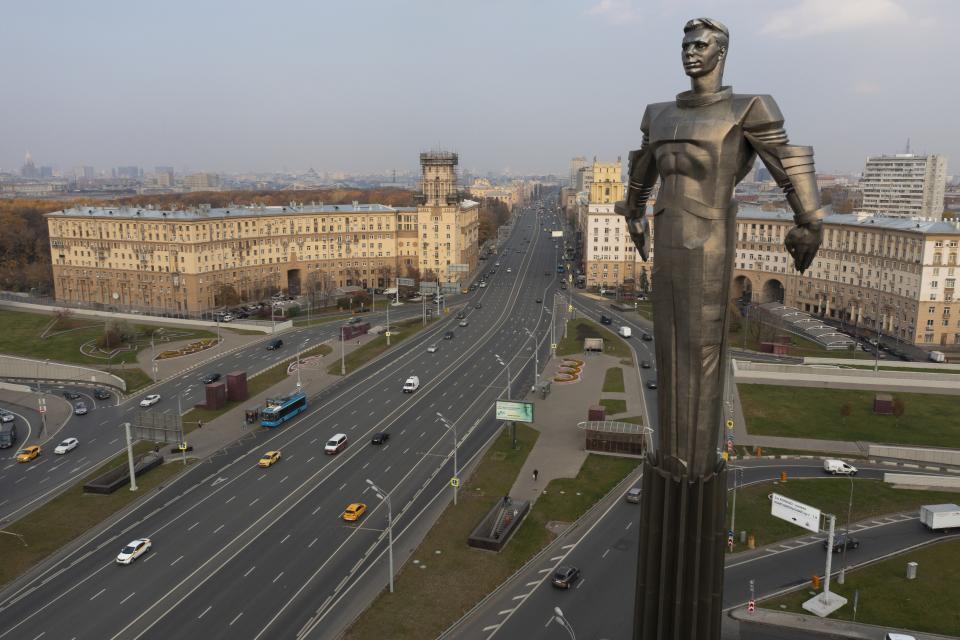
(868,221)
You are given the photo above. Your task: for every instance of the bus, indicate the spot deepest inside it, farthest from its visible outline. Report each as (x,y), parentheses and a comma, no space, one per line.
(279,410)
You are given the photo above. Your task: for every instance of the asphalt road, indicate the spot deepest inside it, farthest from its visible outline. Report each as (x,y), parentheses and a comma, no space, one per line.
(601,604)
(244,552)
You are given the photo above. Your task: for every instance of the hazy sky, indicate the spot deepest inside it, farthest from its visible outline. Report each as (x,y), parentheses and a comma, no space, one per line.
(523,85)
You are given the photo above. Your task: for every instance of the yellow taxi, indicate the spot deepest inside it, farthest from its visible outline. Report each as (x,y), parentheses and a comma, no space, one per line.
(353,511)
(28,453)
(464,290)
(269,458)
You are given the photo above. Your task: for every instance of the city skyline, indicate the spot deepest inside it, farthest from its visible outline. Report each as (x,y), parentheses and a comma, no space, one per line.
(145,87)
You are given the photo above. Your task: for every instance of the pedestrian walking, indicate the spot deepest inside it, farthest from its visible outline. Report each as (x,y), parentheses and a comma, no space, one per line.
(199,424)
(536,474)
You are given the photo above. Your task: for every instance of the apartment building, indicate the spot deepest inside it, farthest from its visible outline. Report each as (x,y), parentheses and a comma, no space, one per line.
(904,185)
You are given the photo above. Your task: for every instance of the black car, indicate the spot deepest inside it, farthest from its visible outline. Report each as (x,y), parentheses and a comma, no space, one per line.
(477,306)
(274,344)
(539,300)
(605,320)
(461,315)
(843,540)
(645,364)
(546,273)
(565,577)
(380,438)
(647,337)
(448,335)
(210,378)
(652,384)
(71,395)
(101,394)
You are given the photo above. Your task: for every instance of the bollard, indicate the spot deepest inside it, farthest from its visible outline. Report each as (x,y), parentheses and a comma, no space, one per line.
(911,571)
(758,452)
(743,537)
(816,582)
(783,476)
(751,542)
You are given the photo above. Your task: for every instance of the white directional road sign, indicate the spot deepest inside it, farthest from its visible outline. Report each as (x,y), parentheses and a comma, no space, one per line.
(405,282)
(798,513)
(556,234)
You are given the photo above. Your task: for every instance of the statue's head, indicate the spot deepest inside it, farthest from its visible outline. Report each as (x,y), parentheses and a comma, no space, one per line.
(705,43)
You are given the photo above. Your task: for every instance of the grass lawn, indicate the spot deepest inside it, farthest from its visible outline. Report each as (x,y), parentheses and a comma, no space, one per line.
(645,308)
(613,380)
(399,332)
(426,601)
(899,369)
(72,513)
(798,412)
(798,346)
(888,599)
(614,405)
(257,384)
(135,377)
(20,335)
(871,498)
(581,328)
(632,420)
(741,450)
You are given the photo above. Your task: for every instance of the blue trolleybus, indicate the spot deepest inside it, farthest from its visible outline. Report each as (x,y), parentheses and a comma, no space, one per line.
(279,410)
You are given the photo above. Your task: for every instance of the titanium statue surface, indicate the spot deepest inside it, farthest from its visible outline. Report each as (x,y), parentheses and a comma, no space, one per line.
(699,147)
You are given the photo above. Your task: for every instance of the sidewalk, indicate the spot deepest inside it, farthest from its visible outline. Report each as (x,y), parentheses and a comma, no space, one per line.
(833,628)
(559,451)
(232,425)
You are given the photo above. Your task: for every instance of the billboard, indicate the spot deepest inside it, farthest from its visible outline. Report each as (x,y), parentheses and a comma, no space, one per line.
(514,411)
(428,287)
(451,287)
(798,513)
(556,234)
(405,282)
(458,268)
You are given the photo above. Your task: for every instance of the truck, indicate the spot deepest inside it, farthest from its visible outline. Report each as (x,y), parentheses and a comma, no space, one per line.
(938,356)
(940,517)
(839,467)
(625,332)
(8,434)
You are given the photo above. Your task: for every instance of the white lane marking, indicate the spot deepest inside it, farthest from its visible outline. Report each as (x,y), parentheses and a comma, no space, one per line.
(285,538)
(249,571)
(176,561)
(495,626)
(205,612)
(629,524)
(255,500)
(506,611)
(235,619)
(605,554)
(218,529)
(555,558)
(128,597)
(230,499)
(521,596)
(532,584)
(278,577)
(312,542)
(405,450)
(317,509)
(387,470)
(98,593)
(190,528)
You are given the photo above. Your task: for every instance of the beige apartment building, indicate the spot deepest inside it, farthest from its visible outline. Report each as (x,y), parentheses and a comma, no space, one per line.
(180,262)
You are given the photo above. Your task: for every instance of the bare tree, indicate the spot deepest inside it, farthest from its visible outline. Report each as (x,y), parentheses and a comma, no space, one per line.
(845,412)
(898,410)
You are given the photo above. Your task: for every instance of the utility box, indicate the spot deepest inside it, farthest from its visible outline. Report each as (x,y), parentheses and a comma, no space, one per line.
(597,413)
(216,395)
(883,404)
(237,386)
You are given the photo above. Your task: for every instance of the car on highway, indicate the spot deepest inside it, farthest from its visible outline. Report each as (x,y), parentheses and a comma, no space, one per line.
(101,394)
(354,511)
(645,364)
(269,459)
(28,453)
(546,273)
(433,348)
(67,445)
(461,315)
(478,305)
(210,378)
(150,400)
(647,337)
(606,320)
(633,495)
(336,444)
(273,345)
(565,577)
(539,300)
(380,438)
(80,409)
(448,335)
(651,384)
(354,320)
(464,322)
(483,285)
(71,395)
(133,550)
(227,317)
(509,270)
(411,384)
(6,416)
(841,541)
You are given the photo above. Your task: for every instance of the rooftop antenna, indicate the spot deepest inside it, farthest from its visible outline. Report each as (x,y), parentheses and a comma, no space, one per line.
(908,145)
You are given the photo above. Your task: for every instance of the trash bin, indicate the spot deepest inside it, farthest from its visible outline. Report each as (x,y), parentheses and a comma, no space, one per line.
(911,571)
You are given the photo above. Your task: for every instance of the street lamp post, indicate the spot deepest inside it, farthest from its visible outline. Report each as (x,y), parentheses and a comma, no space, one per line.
(846,534)
(383,495)
(536,359)
(343,365)
(513,425)
(456,441)
(560,619)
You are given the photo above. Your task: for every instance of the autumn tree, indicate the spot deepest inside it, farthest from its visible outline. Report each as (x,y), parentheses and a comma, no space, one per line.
(845,412)
(898,409)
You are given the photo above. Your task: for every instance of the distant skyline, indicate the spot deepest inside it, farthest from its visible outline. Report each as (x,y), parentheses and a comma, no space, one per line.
(514,85)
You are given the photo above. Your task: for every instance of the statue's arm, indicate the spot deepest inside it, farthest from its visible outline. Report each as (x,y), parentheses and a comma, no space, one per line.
(791,166)
(641,179)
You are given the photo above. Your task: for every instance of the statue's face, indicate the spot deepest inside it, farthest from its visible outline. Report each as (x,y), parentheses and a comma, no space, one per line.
(701,53)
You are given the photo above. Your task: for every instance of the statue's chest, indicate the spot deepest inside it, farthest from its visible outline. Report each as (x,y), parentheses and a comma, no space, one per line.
(706,127)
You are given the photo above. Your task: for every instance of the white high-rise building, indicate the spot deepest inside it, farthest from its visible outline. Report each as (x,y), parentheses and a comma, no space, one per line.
(905,185)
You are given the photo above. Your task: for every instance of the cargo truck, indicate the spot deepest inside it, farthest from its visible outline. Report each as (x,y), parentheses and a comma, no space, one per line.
(940,517)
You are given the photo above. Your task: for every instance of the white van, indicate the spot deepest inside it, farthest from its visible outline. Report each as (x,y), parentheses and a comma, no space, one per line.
(839,467)
(937,356)
(411,385)
(625,332)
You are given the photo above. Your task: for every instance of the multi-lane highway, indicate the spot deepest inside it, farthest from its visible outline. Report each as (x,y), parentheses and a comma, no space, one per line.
(244,552)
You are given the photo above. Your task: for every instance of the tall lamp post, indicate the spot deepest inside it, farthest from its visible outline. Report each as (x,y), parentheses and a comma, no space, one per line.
(846,534)
(513,425)
(343,362)
(536,358)
(560,619)
(456,441)
(385,496)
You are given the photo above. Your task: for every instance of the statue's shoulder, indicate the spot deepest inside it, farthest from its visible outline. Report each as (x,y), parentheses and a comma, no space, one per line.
(757,110)
(653,110)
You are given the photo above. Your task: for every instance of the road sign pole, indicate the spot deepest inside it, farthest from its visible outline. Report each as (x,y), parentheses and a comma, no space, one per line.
(825,596)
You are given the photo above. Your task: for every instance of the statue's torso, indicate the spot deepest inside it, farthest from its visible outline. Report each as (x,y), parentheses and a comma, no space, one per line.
(701,153)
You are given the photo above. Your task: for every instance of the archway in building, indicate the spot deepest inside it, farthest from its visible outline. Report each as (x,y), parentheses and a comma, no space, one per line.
(773,291)
(293,282)
(742,289)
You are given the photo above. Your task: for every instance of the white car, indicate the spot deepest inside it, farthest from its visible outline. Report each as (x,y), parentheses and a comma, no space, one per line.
(67,445)
(133,550)
(150,400)
(432,348)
